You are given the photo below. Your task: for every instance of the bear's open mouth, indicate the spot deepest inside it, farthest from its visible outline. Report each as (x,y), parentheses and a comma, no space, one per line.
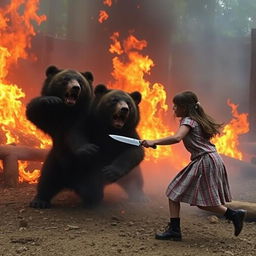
(119,119)
(71,98)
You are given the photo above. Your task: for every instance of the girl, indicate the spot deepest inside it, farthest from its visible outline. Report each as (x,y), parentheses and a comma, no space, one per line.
(203,183)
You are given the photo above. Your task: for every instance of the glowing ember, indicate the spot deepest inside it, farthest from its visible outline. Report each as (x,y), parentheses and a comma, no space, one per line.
(107,2)
(129,76)
(102,16)
(16,32)
(227,143)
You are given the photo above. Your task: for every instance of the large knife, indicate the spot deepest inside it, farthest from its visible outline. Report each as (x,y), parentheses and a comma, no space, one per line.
(127,140)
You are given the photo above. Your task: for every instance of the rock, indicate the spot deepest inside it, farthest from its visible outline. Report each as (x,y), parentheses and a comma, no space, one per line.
(70,227)
(21,249)
(213,219)
(229,253)
(130,223)
(23,224)
(115,218)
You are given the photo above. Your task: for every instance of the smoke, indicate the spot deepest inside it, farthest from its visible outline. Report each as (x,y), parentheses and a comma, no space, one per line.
(192,44)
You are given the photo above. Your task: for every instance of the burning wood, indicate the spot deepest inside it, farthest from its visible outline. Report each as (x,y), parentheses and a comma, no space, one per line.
(11,154)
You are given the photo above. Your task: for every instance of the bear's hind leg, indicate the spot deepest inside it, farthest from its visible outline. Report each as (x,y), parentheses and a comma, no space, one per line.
(50,183)
(91,192)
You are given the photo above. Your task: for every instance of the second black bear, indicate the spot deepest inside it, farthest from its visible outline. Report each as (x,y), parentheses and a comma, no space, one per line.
(117,112)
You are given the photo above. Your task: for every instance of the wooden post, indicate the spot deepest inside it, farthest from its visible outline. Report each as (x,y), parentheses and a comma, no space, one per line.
(252,93)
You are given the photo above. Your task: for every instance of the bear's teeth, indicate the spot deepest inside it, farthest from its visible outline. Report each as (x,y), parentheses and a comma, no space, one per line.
(70,101)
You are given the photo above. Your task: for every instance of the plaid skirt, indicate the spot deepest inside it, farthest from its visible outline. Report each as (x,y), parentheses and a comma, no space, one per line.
(203,182)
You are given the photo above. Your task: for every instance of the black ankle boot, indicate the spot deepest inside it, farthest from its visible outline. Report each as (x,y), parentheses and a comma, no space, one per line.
(172,231)
(237,217)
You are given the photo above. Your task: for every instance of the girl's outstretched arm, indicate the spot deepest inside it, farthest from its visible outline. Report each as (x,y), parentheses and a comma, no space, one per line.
(176,138)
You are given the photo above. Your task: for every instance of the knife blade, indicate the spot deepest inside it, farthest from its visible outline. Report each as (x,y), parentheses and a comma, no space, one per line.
(127,140)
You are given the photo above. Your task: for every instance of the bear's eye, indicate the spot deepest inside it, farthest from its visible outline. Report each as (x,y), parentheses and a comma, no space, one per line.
(114,100)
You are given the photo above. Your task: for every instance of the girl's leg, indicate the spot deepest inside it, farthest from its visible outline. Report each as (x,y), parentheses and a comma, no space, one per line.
(236,216)
(172,231)
(174,208)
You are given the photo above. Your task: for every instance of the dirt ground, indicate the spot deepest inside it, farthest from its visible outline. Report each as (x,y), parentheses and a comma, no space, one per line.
(117,227)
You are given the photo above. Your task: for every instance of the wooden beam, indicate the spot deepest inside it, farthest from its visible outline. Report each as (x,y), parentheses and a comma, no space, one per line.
(252,93)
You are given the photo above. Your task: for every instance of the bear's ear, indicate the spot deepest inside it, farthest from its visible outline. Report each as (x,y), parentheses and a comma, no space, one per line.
(100,89)
(136,97)
(88,75)
(51,71)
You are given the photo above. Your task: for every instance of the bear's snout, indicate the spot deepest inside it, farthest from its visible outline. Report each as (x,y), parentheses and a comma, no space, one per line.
(75,88)
(121,115)
(124,110)
(73,92)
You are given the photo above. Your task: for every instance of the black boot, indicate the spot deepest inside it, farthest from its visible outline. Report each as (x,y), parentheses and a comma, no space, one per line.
(172,231)
(237,217)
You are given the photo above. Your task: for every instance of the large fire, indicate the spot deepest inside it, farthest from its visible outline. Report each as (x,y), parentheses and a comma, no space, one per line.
(129,69)
(16,32)
(129,76)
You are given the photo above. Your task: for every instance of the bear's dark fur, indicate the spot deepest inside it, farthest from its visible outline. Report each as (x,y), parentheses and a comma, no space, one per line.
(65,99)
(117,112)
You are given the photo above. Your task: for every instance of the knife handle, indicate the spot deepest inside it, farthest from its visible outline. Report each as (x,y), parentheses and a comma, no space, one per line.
(154,147)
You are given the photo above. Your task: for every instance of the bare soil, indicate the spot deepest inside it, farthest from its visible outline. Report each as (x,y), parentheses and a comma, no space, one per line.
(117,227)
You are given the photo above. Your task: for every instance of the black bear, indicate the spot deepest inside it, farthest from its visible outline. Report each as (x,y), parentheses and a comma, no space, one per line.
(65,100)
(117,112)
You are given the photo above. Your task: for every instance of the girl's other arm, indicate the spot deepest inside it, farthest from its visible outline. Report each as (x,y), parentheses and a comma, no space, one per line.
(176,138)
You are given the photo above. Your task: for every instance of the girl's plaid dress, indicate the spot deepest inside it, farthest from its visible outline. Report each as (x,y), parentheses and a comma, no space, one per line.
(204,181)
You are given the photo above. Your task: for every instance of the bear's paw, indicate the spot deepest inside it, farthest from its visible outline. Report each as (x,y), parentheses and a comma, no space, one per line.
(39,204)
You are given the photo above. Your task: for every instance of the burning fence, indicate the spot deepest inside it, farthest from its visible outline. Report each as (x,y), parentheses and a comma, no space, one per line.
(129,69)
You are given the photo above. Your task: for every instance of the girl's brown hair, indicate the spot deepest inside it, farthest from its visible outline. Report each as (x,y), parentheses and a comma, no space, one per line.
(188,102)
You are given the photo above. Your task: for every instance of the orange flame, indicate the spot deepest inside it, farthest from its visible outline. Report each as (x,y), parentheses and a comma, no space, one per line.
(129,76)
(16,32)
(227,143)
(129,69)
(103,15)
(107,2)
